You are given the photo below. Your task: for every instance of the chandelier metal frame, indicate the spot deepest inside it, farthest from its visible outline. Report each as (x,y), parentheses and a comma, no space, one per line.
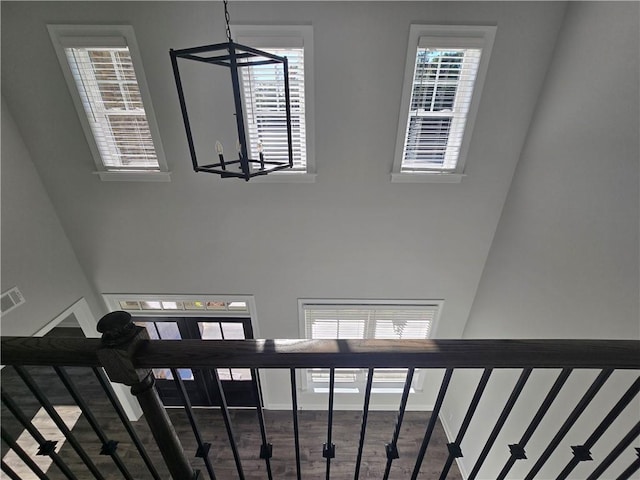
(234,56)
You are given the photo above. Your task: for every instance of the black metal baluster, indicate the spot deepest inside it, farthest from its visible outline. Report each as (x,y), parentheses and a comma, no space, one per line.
(203,448)
(294,411)
(631,469)
(46,404)
(615,453)
(517,450)
(391,448)
(517,390)
(9,471)
(24,456)
(581,452)
(108,446)
(227,424)
(432,422)
(573,417)
(363,427)
(47,447)
(329,449)
(455,451)
(266,449)
(108,390)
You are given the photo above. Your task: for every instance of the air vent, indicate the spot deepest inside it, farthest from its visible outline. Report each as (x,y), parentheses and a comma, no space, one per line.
(11,299)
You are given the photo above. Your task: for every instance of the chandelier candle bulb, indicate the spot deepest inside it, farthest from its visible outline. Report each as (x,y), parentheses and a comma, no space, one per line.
(260,149)
(220,152)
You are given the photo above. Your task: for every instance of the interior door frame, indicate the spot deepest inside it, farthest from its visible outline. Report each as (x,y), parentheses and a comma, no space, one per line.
(112,301)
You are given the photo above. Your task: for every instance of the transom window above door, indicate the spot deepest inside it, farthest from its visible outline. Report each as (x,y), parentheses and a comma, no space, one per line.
(183,305)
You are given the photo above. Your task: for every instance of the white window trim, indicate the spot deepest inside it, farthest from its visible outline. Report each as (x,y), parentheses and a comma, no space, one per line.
(462,36)
(109,35)
(112,301)
(263,36)
(419,375)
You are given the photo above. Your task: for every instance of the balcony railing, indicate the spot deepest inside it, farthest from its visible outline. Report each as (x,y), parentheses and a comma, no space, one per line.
(128,357)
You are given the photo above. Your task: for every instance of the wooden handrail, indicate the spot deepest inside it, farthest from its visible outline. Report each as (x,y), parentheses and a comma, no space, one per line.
(57,351)
(54,351)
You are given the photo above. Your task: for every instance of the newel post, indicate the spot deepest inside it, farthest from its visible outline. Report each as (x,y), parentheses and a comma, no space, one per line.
(120,340)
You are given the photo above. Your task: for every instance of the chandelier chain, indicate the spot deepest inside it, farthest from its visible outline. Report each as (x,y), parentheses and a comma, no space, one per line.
(227,18)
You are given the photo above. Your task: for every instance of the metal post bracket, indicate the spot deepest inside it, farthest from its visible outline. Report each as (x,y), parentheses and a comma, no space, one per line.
(203,450)
(266,450)
(517,452)
(328,451)
(454,450)
(392,451)
(581,453)
(47,448)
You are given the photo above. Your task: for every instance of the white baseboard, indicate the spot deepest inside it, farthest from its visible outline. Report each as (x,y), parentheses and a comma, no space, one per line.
(451,437)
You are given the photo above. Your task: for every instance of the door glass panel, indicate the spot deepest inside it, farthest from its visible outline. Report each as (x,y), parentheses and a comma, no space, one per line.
(233,331)
(168,330)
(241,374)
(151,329)
(185,373)
(165,373)
(210,330)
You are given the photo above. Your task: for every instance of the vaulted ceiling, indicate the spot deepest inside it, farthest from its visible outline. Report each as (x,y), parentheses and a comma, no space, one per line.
(352,233)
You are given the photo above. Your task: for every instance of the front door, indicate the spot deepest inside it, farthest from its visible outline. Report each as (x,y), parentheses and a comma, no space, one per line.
(237,383)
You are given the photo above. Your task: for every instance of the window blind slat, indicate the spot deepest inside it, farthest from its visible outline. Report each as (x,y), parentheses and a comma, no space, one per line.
(110,94)
(372,321)
(367,321)
(263,90)
(442,89)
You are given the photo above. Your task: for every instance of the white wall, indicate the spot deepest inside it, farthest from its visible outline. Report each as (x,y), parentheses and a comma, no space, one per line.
(36,254)
(564,260)
(352,234)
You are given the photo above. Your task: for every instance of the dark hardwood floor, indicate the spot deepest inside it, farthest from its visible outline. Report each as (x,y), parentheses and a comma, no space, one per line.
(278,426)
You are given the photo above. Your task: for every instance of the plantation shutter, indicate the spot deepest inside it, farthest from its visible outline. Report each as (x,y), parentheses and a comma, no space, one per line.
(367,321)
(264,100)
(441,93)
(111,98)
(370,321)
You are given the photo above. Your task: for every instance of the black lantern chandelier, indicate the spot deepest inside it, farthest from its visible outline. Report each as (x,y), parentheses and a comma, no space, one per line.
(234,57)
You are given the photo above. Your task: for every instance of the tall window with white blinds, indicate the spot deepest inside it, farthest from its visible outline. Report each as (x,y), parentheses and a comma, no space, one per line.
(441,93)
(264,96)
(444,74)
(103,70)
(108,87)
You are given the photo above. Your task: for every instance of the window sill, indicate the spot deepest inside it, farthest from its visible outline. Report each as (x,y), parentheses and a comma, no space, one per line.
(134,176)
(285,177)
(426,177)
